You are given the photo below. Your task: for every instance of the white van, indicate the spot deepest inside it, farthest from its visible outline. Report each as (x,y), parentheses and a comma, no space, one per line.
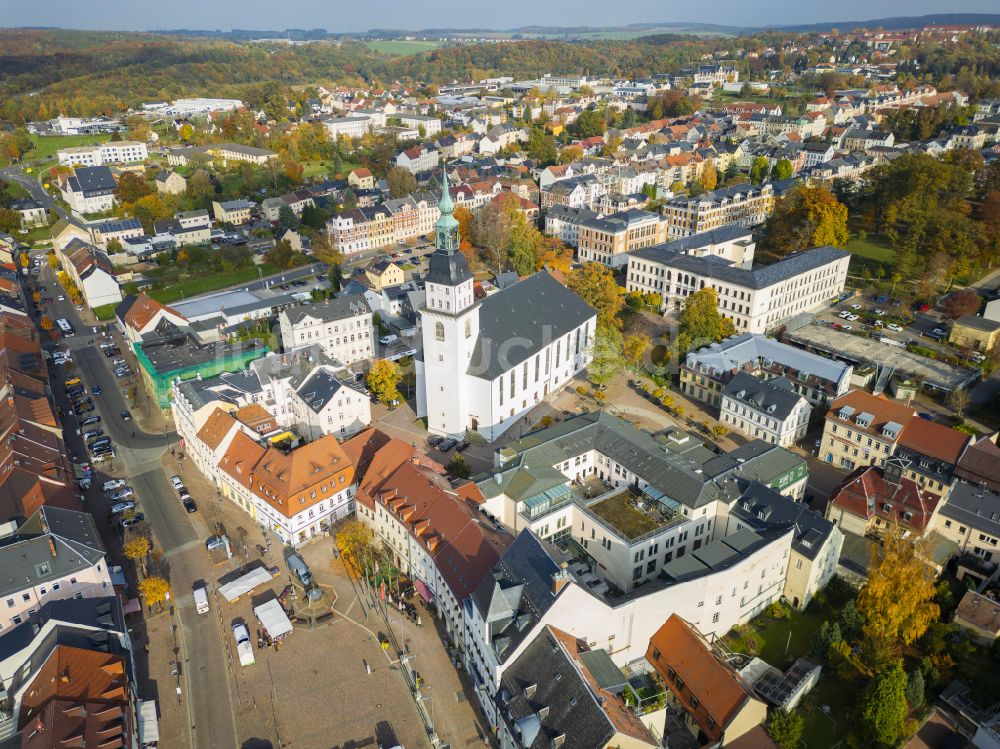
(201,599)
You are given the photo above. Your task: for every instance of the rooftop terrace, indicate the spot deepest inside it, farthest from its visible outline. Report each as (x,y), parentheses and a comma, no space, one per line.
(630,514)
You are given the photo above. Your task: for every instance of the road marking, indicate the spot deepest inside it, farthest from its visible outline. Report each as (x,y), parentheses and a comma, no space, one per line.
(183,547)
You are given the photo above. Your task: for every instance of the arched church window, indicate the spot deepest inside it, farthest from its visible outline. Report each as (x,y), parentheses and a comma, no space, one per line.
(439,331)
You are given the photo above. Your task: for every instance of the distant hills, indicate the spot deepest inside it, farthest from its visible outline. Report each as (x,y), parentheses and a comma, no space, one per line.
(628,31)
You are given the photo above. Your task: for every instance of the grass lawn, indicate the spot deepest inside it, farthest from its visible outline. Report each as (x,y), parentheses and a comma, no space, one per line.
(619,510)
(105,311)
(46,147)
(403,46)
(212,282)
(15,190)
(822,730)
(871,249)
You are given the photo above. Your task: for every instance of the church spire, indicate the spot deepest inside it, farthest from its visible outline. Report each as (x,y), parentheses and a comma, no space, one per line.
(446,228)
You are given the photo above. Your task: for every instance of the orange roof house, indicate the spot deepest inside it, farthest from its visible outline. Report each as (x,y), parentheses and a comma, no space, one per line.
(720,705)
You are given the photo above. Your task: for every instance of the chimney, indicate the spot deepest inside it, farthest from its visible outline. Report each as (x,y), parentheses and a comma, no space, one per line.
(561,579)
(52,546)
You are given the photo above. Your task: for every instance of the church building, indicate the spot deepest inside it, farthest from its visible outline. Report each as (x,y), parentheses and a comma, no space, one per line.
(486,363)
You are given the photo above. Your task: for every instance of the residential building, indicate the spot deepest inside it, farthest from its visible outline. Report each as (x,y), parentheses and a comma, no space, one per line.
(353,126)
(610,239)
(979,464)
(473,376)
(717,704)
(383,273)
(557,692)
(426,125)
(32,213)
(970,517)
(979,616)
(232,212)
(743,205)
(172,231)
(756,299)
(356,230)
(220,153)
(412,216)
(298,493)
(418,159)
(341,326)
(68,676)
(52,555)
(111,152)
(564,222)
(119,229)
(89,189)
(974,332)
(583,191)
(705,372)
(431,531)
(296,201)
(768,409)
(170,182)
(874,499)
(362,178)
(140,316)
(91,271)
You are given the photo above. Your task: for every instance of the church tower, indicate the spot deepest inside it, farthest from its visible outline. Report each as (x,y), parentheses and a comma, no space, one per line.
(450,328)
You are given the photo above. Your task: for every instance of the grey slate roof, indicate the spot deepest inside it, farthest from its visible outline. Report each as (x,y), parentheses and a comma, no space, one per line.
(978,323)
(92,180)
(533,312)
(27,558)
(319,388)
(774,398)
(759,277)
(571,710)
(973,507)
(720,554)
(761,508)
(339,308)
(447,268)
(514,597)
(706,239)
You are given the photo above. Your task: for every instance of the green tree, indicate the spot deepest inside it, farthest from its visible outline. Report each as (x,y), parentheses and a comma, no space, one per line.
(132,186)
(782,169)
(915,689)
(700,319)
(401,182)
(542,147)
(823,637)
(804,218)
(588,124)
(758,170)
(282,255)
(881,709)
(785,727)
(10,220)
(383,380)
(607,358)
(286,217)
(458,468)
(595,284)
(200,190)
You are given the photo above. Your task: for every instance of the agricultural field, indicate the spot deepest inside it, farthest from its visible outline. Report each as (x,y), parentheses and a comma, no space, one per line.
(46,147)
(403,47)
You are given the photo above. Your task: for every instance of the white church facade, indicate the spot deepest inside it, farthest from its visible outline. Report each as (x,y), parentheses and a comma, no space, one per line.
(486,363)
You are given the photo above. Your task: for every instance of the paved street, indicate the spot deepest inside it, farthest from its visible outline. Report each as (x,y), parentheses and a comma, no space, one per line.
(30,183)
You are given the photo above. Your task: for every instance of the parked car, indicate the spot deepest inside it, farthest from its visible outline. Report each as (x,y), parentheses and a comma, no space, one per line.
(96,390)
(189,505)
(461,446)
(243,645)
(90,420)
(126,416)
(119,507)
(110,486)
(387,339)
(176,482)
(122,494)
(446,445)
(894,328)
(135,519)
(104,456)
(93,433)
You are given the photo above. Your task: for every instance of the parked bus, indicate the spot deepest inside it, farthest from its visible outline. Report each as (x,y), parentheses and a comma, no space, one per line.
(65,327)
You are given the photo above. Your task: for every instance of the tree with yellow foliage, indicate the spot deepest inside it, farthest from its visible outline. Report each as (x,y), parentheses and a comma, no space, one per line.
(137,549)
(154,591)
(897,602)
(383,379)
(356,543)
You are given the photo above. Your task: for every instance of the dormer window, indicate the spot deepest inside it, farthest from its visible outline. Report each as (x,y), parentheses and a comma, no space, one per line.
(886,507)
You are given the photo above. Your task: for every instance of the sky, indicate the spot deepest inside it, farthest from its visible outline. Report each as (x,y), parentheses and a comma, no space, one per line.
(344,16)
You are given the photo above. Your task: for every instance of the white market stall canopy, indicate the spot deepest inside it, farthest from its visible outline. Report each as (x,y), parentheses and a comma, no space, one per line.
(243,585)
(149,728)
(273,617)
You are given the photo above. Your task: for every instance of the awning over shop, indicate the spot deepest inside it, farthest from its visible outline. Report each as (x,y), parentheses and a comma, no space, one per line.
(149,727)
(423,590)
(273,617)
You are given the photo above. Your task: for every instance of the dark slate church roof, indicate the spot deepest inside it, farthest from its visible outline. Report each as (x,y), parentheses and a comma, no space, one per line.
(447,268)
(516,323)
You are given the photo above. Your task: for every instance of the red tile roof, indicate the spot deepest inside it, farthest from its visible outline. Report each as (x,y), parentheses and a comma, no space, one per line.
(934,440)
(868,495)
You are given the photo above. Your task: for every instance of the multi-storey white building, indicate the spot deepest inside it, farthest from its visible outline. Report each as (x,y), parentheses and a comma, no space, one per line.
(53,554)
(342,326)
(112,152)
(756,299)
(770,410)
(487,363)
